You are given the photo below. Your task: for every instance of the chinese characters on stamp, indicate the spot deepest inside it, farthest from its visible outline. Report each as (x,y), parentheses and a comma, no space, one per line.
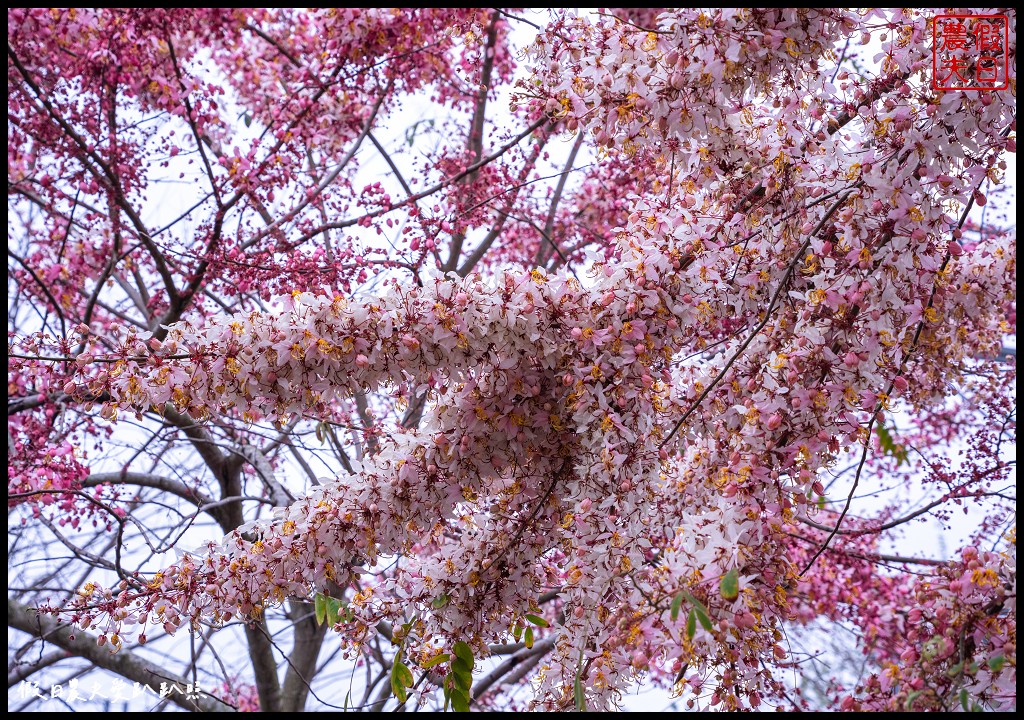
(969,52)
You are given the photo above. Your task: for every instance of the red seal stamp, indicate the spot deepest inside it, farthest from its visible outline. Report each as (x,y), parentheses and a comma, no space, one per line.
(969,52)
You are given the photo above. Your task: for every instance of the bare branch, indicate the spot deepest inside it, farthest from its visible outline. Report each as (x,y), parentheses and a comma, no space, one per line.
(124,663)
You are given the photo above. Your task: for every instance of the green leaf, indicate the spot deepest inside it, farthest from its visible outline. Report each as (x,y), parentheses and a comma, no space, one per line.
(955,670)
(911,698)
(702,612)
(890,446)
(404,674)
(730,585)
(401,678)
(460,701)
(691,624)
(320,608)
(517,632)
(963,700)
(529,637)
(677,602)
(538,621)
(462,674)
(410,133)
(464,653)
(996,662)
(578,694)
(440,601)
(436,660)
(333,614)
(397,690)
(703,619)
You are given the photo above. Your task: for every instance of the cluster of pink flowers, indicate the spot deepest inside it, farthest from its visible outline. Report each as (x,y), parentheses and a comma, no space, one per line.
(953,644)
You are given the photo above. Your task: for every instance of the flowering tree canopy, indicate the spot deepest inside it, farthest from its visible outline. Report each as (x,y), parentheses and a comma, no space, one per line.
(619,358)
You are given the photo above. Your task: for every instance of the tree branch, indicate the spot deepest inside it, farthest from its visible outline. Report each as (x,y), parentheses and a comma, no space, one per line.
(148,480)
(308,639)
(475,141)
(25,669)
(430,190)
(124,663)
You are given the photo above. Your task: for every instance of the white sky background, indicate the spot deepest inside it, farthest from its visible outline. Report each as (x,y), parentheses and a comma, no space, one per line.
(927,540)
